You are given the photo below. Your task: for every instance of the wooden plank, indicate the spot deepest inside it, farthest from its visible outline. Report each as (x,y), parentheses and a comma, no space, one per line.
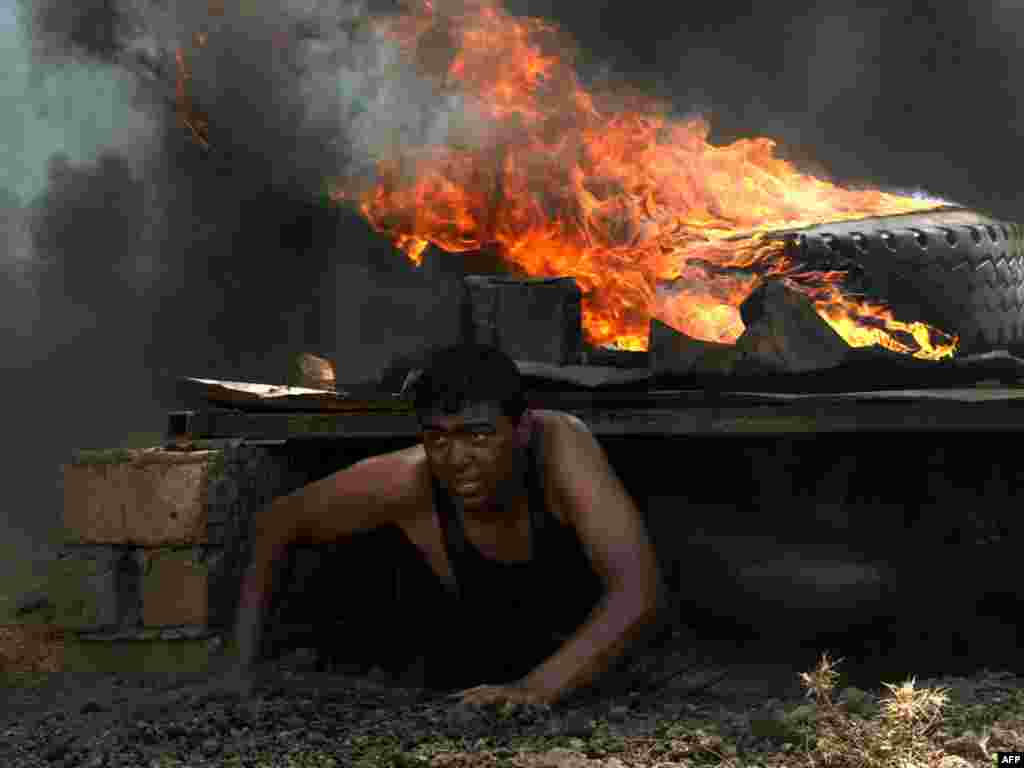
(891,416)
(684,398)
(215,424)
(974,395)
(590,376)
(274,397)
(786,417)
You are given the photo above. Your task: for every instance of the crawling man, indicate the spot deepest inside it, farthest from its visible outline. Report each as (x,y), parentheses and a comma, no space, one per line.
(518,513)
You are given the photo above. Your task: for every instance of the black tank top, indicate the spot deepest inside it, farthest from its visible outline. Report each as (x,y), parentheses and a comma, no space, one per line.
(504,618)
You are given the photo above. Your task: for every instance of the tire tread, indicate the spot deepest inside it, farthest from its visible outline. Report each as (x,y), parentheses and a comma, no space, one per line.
(972,287)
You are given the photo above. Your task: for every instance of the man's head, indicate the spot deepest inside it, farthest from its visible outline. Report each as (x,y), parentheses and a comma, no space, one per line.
(469,401)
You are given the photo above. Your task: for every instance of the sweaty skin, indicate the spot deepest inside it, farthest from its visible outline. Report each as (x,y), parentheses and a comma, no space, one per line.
(478,456)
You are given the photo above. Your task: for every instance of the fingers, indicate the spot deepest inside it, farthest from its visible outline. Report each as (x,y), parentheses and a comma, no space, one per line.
(468,691)
(486,695)
(494,695)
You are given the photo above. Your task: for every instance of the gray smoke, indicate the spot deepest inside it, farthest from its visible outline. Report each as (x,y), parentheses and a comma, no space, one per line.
(133,255)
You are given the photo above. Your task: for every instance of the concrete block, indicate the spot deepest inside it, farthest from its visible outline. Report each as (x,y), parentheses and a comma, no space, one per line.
(171,507)
(82,587)
(174,589)
(531,319)
(95,503)
(151,498)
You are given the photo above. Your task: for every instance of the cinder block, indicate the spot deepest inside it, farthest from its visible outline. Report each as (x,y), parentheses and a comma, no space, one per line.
(152,498)
(95,503)
(172,503)
(175,589)
(536,320)
(83,588)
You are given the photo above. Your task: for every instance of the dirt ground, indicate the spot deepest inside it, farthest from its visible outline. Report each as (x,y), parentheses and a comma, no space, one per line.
(732,693)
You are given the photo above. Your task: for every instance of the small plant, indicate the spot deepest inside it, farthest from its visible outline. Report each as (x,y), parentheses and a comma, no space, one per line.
(900,737)
(217,466)
(104,456)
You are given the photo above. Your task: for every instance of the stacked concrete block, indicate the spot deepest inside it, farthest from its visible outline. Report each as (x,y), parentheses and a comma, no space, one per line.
(155,545)
(83,587)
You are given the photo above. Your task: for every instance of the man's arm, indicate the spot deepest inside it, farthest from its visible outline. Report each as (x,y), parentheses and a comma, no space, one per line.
(614,537)
(369,494)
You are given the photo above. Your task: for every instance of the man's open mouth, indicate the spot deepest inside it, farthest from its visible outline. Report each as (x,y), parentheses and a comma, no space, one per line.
(467,487)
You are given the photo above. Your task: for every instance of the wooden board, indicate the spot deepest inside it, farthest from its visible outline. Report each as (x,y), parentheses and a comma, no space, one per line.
(278,397)
(665,413)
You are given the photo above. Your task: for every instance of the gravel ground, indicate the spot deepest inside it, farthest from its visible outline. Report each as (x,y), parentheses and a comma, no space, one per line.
(300,718)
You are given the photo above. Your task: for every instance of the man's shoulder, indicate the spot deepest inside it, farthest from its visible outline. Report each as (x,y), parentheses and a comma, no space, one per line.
(408,464)
(401,475)
(411,457)
(561,437)
(558,420)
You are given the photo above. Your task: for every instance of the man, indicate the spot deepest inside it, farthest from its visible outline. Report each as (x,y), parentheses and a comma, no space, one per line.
(550,570)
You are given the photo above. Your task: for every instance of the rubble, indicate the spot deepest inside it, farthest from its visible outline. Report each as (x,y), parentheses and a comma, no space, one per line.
(313,372)
(530,319)
(785,334)
(674,353)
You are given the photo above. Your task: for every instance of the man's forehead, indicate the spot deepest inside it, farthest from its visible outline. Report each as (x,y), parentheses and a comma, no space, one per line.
(483,414)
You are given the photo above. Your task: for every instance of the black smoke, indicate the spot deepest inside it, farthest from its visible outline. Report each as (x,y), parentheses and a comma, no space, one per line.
(152,257)
(912,94)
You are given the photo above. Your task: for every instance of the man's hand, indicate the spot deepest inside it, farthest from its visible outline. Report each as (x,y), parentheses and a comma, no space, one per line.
(516,693)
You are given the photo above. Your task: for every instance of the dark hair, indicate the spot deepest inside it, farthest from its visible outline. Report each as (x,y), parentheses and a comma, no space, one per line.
(466,374)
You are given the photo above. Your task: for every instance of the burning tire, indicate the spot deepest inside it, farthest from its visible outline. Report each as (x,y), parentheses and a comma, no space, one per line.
(955,269)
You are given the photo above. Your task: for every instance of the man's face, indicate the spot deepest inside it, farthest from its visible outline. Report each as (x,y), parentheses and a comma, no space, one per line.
(474,453)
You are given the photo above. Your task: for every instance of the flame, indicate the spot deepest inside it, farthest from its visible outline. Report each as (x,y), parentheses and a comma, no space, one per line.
(189,117)
(600,184)
(603,185)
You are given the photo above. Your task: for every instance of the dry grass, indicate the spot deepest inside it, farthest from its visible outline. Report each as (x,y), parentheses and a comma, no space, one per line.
(900,737)
(906,732)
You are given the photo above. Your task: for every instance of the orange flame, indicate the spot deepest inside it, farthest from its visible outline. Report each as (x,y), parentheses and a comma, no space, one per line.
(604,186)
(188,116)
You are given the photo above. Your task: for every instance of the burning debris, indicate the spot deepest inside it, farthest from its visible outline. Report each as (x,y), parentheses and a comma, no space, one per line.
(536,320)
(603,186)
(189,117)
(498,145)
(567,179)
(673,353)
(954,269)
(785,334)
